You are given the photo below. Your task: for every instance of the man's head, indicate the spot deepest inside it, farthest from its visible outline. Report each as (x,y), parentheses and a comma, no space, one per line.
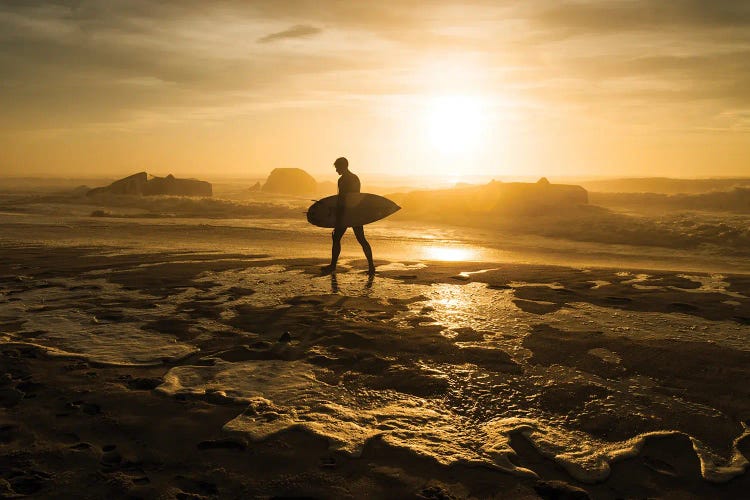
(341,165)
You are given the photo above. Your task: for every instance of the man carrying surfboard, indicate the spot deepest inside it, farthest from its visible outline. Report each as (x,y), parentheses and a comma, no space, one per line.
(348,183)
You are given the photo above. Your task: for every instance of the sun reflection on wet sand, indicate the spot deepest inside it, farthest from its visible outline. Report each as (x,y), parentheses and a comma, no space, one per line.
(449,253)
(450,301)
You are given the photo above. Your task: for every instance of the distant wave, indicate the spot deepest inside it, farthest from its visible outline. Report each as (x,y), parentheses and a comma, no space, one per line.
(108,205)
(737,200)
(646,224)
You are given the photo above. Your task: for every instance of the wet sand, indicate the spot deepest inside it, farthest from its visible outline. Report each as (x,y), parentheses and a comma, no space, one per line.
(178,374)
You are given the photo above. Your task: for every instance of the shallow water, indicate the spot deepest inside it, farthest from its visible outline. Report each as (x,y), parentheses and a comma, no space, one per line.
(394,240)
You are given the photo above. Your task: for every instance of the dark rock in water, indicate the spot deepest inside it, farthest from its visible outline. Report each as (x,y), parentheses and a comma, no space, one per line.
(560,490)
(141,185)
(255,187)
(290,181)
(285,337)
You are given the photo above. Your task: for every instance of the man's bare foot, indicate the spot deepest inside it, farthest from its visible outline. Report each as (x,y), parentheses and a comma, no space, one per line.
(329,269)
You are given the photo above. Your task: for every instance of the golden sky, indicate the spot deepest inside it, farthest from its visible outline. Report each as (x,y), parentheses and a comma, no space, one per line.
(437,89)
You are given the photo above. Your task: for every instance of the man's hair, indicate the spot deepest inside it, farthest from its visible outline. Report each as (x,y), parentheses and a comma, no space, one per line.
(342,161)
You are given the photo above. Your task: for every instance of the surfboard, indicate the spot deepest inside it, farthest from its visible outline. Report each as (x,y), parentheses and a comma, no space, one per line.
(359,209)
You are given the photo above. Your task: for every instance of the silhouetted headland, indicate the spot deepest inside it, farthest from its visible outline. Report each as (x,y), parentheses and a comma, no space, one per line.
(141,184)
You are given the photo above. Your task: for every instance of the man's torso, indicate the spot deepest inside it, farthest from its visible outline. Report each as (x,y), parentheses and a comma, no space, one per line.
(348,183)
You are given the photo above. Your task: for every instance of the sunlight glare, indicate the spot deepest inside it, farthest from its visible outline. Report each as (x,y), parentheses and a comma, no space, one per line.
(450,254)
(454,123)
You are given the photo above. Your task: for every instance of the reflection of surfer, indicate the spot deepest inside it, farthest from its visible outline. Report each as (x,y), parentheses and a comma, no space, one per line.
(366,289)
(348,183)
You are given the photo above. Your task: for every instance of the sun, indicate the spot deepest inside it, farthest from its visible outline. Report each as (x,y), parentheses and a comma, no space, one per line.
(454,123)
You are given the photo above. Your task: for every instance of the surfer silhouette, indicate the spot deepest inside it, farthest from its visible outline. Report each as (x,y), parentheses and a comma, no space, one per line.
(348,183)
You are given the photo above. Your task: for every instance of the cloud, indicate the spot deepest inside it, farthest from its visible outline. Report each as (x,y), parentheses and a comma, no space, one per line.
(625,15)
(299,31)
(64,60)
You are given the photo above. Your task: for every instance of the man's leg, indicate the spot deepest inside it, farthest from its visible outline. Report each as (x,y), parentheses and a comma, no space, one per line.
(337,234)
(359,232)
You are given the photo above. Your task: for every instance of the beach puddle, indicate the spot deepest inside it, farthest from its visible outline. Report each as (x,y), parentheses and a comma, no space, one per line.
(644,325)
(712,283)
(95,320)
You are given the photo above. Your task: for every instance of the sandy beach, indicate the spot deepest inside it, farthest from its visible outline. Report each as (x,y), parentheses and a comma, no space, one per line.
(140,371)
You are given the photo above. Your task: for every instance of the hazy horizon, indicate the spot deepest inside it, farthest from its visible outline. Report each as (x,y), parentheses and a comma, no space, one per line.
(373,179)
(234,89)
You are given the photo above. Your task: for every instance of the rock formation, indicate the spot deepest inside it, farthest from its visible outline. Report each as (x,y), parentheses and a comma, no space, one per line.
(133,184)
(290,181)
(179,187)
(494,197)
(141,184)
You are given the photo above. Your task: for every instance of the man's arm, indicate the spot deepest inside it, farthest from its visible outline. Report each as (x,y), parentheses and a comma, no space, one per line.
(340,210)
(340,205)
